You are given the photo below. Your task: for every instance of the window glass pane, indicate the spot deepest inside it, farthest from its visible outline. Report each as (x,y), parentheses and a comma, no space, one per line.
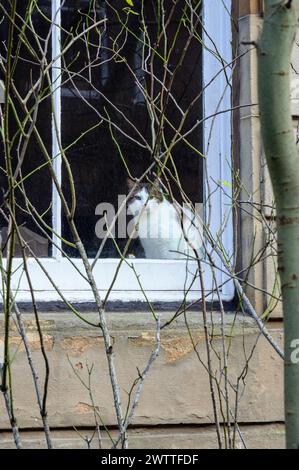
(32,181)
(131,88)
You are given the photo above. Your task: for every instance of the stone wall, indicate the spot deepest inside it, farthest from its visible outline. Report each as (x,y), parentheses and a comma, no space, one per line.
(175,409)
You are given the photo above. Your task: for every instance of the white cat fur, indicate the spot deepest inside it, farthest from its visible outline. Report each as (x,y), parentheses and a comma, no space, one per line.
(159,225)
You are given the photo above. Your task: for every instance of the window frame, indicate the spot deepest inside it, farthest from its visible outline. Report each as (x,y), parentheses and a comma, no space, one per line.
(162,280)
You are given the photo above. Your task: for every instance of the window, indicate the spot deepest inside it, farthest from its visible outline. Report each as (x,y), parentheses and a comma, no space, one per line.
(123,79)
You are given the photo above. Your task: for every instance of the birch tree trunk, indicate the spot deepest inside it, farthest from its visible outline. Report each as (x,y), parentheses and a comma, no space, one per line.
(274,56)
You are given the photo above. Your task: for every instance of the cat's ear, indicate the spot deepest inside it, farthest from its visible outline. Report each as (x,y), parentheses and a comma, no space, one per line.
(158,184)
(130,183)
(156,181)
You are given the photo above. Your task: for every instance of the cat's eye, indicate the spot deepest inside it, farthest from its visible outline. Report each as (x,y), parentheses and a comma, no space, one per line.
(138,198)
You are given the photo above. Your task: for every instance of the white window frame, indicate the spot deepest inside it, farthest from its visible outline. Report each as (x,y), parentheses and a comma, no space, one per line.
(162,280)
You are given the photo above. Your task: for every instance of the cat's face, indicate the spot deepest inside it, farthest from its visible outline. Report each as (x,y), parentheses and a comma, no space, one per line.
(145,197)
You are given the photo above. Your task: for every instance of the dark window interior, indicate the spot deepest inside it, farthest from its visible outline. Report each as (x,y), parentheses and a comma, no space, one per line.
(33,180)
(97,168)
(96,86)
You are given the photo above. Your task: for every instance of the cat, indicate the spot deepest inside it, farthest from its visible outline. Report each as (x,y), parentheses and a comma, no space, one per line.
(165,229)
